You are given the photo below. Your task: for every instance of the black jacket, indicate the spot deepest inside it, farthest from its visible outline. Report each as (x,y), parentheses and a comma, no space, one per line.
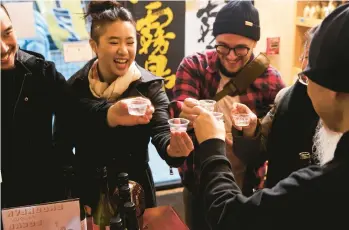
(292,130)
(311,198)
(123,148)
(31,94)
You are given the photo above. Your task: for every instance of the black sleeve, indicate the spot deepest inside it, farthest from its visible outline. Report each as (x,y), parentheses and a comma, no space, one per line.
(160,129)
(247,149)
(227,208)
(72,112)
(69,103)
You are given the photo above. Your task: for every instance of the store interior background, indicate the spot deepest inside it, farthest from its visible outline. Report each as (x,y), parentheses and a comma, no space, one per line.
(277,19)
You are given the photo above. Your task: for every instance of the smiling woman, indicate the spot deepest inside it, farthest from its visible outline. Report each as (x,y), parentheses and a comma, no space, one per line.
(113,38)
(112,77)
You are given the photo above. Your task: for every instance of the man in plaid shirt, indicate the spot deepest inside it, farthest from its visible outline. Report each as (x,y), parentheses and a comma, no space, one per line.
(203,75)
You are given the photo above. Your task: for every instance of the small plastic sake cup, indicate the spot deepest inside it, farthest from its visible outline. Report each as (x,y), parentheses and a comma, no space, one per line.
(178,124)
(137,106)
(207,104)
(241,119)
(218,116)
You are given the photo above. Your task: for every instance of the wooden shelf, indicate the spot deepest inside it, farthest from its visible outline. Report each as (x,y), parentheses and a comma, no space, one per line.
(302,25)
(307,22)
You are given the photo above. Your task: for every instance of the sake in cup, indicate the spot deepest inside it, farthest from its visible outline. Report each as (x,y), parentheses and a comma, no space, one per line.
(178,124)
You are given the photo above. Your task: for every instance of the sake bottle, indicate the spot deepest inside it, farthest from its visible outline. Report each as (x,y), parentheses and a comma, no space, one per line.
(131,221)
(104,211)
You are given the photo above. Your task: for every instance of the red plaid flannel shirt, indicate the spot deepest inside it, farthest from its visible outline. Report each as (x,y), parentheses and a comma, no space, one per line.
(198,77)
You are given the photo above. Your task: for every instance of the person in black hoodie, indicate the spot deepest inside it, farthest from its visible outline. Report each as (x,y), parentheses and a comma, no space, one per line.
(267,139)
(32,92)
(114,76)
(310,198)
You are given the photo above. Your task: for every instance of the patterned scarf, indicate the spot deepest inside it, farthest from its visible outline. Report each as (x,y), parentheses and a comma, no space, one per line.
(111,91)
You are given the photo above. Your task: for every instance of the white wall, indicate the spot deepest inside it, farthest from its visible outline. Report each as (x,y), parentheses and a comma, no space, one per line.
(192,25)
(277,19)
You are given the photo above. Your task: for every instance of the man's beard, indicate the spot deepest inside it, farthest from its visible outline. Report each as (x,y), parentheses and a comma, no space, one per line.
(324,143)
(225,72)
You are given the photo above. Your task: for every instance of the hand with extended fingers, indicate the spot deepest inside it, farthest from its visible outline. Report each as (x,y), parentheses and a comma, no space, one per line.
(241,109)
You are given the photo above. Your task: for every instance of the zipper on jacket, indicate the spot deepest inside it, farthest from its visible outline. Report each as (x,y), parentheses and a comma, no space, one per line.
(171,171)
(19,96)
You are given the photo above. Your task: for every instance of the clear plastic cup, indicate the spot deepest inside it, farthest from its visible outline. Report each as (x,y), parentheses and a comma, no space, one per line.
(178,124)
(218,116)
(241,119)
(207,104)
(137,106)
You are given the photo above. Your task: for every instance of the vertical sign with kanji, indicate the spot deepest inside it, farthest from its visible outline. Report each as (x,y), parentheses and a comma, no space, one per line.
(160,25)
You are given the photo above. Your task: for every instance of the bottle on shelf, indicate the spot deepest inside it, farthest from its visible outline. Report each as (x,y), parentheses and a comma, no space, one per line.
(125,194)
(128,190)
(122,179)
(131,221)
(306,11)
(70,192)
(122,196)
(312,12)
(104,211)
(324,9)
(331,6)
(135,190)
(318,10)
(116,223)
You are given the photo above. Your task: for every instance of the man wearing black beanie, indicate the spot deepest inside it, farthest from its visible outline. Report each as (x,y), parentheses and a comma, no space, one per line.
(202,75)
(312,197)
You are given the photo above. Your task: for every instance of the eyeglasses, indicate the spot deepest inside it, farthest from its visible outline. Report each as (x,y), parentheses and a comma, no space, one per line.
(303,79)
(239,51)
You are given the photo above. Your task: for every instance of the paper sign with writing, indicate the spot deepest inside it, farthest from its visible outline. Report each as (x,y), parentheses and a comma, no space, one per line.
(77,51)
(62,215)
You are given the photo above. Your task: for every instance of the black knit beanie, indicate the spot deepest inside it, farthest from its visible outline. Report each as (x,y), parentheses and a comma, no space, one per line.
(238,17)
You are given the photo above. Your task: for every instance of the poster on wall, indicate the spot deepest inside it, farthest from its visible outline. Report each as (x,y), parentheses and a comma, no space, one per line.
(273,46)
(160,25)
(200,16)
(57,22)
(65,21)
(25,29)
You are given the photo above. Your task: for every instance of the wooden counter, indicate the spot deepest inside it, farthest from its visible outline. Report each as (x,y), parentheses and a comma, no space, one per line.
(159,218)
